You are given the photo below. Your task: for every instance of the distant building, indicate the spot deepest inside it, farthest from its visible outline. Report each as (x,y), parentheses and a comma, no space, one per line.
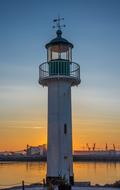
(36,150)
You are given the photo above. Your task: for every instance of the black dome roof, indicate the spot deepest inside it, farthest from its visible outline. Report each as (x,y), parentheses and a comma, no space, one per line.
(59,40)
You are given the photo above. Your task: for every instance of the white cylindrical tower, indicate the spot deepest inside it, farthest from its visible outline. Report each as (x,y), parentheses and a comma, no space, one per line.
(59,73)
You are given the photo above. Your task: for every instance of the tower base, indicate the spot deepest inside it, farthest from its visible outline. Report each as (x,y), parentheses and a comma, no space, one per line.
(56,180)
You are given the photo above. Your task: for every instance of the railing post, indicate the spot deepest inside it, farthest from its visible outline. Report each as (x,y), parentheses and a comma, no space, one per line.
(23,187)
(58,69)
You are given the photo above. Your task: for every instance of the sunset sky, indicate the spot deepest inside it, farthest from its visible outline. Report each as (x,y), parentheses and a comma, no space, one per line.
(93,26)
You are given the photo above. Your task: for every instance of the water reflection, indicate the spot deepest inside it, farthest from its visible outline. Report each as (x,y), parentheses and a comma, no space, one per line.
(31,172)
(31,166)
(97,173)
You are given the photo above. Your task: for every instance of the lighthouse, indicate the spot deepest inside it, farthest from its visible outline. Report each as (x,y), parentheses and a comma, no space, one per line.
(59,73)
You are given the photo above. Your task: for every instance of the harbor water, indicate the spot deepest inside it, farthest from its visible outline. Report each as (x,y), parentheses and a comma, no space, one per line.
(12,173)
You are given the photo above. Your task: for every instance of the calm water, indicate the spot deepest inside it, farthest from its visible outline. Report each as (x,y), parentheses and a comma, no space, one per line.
(30,172)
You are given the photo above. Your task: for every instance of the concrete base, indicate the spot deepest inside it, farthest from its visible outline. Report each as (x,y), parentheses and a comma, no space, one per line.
(56,180)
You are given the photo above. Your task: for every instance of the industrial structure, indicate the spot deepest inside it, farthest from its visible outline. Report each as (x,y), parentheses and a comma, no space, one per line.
(36,150)
(59,74)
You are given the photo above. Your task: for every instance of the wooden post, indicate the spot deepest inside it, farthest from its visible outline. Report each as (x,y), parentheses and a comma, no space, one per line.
(23,187)
(44,182)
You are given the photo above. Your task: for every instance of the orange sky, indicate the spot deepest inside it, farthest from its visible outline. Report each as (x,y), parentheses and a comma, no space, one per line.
(23,120)
(15,135)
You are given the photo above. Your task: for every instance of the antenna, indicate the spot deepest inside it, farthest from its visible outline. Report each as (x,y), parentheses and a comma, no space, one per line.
(58,24)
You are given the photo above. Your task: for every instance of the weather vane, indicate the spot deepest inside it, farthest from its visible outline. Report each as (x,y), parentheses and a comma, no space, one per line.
(58,24)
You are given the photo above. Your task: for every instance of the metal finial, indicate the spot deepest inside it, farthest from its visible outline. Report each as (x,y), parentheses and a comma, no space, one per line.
(58,24)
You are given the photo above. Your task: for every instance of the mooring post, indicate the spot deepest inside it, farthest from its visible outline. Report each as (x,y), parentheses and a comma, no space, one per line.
(23,187)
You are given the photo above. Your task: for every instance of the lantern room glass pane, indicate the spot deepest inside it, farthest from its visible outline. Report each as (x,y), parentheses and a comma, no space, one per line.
(60,51)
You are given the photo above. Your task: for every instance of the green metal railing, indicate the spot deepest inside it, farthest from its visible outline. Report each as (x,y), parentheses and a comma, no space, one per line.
(59,68)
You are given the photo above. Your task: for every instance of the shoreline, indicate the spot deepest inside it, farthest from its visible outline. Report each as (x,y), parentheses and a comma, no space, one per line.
(39,186)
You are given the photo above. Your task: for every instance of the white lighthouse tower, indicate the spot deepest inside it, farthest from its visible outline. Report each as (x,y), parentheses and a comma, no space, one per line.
(59,74)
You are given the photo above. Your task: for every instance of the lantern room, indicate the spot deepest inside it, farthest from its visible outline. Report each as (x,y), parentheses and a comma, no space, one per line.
(59,48)
(59,55)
